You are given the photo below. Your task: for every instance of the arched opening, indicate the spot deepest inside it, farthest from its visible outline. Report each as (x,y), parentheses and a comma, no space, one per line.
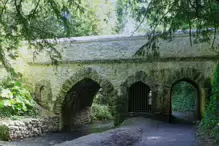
(185,102)
(76,108)
(139,98)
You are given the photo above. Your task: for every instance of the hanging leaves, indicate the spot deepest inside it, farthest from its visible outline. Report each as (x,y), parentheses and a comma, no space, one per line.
(165,17)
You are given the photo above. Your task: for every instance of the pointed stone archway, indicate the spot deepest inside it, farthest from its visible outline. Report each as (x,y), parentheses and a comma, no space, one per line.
(83,74)
(123,96)
(138,98)
(194,77)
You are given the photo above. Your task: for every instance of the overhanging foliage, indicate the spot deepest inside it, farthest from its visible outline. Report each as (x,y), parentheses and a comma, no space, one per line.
(199,18)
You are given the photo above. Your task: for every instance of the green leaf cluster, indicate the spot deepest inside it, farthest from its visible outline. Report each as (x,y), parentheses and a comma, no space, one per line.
(15,100)
(183,97)
(210,122)
(4,133)
(100,112)
(31,20)
(198,18)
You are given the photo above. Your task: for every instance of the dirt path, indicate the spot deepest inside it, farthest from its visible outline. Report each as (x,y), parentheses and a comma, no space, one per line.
(169,135)
(141,132)
(133,132)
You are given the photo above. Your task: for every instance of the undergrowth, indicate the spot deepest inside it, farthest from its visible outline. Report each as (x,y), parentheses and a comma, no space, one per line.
(15,100)
(183,97)
(210,122)
(100,112)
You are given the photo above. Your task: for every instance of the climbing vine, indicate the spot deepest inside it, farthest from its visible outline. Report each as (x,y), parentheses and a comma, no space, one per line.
(210,123)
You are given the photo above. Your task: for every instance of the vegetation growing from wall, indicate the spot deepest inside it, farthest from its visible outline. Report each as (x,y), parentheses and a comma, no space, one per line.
(210,122)
(183,97)
(15,100)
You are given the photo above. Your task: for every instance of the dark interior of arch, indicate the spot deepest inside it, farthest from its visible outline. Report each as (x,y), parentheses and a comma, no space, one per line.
(79,98)
(138,98)
(185,101)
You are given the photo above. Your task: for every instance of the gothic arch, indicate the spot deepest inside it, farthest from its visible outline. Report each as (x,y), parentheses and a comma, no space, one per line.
(139,76)
(192,76)
(142,77)
(107,87)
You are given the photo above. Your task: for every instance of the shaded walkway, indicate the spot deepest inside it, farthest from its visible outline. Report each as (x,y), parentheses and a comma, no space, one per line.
(183,118)
(141,132)
(169,135)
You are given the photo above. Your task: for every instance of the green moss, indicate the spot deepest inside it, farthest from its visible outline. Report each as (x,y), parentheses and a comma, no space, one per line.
(4,133)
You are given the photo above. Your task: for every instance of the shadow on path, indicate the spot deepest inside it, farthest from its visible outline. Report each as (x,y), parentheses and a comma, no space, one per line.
(140,131)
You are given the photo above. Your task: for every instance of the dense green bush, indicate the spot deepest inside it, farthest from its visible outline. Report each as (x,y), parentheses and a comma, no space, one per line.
(100,112)
(210,122)
(15,100)
(183,97)
(4,133)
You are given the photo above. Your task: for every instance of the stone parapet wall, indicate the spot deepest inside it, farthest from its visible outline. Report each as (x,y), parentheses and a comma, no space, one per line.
(116,47)
(49,124)
(30,127)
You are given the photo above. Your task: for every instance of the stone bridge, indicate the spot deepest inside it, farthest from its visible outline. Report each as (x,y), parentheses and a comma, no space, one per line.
(107,64)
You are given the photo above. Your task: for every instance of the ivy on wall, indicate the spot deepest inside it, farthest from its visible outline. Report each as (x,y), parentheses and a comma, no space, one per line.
(210,123)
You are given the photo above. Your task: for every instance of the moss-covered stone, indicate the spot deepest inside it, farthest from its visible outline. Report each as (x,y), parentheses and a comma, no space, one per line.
(4,133)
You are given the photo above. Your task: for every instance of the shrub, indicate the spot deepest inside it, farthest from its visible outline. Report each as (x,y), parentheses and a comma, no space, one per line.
(4,133)
(210,122)
(15,100)
(100,99)
(100,112)
(183,97)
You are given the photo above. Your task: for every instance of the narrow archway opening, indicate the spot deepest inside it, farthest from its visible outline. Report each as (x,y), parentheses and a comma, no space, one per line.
(85,103)
(185,102)
(139,98)
(76,109)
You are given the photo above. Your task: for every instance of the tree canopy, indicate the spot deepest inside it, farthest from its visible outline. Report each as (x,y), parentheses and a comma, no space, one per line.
(199,18)
(41,19)
(30,20)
